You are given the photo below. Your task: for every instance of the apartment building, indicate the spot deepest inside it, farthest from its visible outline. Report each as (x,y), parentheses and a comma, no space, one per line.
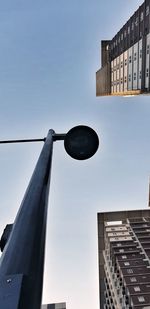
(125,60)
(124,259)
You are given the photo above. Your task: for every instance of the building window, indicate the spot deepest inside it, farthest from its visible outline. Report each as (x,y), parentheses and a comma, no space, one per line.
(130,59)
(134,56)
(148,285)
(134,255)
(126,263)
(121,250)
(130,271)
(129,77)
(128,29)
(121,36)
(140,75)
(121,83)
(136,21)
(121,64)
(125,33)
(147,49)
(125,62)
(137,289)
(141,16)
(140,53)
(141,299)
(124,256)
(147,10)
(147,72)
(135,76)
(132,26)
(133,279)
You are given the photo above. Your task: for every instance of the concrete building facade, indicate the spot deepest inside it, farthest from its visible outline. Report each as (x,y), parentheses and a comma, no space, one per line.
(125,60)
(124,259)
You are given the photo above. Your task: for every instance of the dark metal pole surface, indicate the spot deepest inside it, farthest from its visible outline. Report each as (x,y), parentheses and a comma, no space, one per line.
(22,261)
(23,140)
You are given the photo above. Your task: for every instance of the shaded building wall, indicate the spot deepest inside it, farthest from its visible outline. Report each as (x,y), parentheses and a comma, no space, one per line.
(105,57)
(103,81)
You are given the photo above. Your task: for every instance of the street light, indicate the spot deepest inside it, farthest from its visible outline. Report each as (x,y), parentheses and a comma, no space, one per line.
(22,261)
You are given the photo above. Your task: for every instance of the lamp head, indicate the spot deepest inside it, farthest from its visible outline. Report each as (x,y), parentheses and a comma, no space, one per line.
(81,142)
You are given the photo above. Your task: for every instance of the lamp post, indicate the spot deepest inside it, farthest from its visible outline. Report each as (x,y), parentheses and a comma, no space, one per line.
(22,261)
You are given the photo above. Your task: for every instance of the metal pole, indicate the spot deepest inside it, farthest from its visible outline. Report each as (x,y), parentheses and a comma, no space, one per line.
(23,141)
(22,261)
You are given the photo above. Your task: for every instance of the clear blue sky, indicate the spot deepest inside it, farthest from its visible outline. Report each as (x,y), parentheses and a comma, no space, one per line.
(50,51)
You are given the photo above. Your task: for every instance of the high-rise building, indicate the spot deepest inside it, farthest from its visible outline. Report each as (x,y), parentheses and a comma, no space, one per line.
(125,60)
(54,306)
(124,259)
